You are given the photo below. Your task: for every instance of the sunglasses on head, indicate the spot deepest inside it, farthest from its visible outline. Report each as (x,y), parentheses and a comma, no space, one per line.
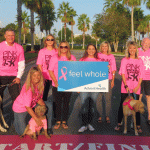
(49,39)
(63,47)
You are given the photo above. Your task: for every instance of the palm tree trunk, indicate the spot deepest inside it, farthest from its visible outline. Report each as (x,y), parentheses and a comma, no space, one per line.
(96,43)
(72,35)
(83,39)
(65,30)
(24,38)
(32,30)
(19,11)
(132,25)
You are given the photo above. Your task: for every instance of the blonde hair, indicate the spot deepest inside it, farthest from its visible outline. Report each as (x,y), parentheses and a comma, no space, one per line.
(68,52)
(54,45)
(127,54)
(29,83)
(109,48)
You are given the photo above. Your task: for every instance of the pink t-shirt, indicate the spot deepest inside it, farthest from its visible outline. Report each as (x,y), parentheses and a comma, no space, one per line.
(34,127)
(54,64)
(89,59)
(112,62)
(27,99)
(43,59)
(133,70)
(9,58)
(145,56)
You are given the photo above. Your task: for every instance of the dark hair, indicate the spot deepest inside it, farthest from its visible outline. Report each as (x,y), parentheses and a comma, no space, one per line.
(9,29)
(86,54)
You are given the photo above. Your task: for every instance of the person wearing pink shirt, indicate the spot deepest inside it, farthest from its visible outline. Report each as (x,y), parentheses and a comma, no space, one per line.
(30,96)
(89,55)
(60,98)
(131,70)
(12,65)
(44,57)
(144,54)
(105,55)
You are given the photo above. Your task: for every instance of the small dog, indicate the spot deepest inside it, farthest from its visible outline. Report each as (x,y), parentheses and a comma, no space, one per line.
(2,120)
(130,107)
(32,127)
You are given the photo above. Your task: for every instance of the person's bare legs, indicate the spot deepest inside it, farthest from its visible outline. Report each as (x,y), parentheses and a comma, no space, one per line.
(140,97)
(148,105)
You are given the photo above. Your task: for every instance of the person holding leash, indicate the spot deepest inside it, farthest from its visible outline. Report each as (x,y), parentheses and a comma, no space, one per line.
(12,65)
(131,70)
(30,96)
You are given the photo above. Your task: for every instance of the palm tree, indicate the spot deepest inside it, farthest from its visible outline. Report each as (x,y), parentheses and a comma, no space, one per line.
(19,19)
(132,4)
(31,5)
(25,22)
(72,22)
(63,14)
(83,25)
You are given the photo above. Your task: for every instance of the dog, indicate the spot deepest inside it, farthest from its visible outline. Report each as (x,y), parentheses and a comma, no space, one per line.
(32,128)
(130,107)
(2,120)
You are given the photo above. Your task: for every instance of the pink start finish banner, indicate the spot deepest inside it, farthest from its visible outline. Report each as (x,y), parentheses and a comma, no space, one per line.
(75,142)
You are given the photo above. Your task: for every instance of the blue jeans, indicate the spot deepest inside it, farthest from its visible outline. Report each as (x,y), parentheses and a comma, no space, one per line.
(85,95)
(19,119)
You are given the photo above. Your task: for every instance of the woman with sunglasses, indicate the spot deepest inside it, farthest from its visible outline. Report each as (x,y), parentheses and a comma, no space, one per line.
(60,98)
(44,56)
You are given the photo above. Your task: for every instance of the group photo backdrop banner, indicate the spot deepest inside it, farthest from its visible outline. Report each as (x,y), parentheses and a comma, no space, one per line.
(81,76)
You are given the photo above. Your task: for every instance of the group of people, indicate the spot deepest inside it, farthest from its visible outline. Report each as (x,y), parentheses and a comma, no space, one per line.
(134,69)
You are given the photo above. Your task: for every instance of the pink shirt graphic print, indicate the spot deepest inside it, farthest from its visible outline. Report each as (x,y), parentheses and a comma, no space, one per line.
(133,71)
(43,59)
(9,58)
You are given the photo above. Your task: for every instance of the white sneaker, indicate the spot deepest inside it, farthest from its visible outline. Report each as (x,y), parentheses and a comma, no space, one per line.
(82,129)
(90,127)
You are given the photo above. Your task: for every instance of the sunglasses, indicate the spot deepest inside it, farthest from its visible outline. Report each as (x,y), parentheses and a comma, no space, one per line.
(49,39)
(63,47)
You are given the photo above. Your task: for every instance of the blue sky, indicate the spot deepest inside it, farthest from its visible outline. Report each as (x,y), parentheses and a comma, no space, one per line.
(8,11)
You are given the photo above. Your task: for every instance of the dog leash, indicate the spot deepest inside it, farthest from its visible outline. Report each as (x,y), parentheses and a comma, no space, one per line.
(10,84)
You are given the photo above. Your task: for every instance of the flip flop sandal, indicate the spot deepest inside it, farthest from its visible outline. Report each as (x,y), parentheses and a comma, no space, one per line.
(57,125)
(118,127)
(107,120)
(100,120)
(148,122)
(64,125)
(139,129)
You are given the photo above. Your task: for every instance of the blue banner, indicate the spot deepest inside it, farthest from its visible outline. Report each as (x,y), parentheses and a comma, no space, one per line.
(82,76)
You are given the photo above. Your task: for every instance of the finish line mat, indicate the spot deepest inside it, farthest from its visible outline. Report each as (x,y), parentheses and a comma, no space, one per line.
(75,142)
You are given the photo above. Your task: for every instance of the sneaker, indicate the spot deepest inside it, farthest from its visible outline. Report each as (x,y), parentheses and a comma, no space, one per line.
(90,127)
(82,129)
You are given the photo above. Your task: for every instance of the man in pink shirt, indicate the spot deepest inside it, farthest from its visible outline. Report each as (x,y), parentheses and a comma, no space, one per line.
(12,64)
(144,54)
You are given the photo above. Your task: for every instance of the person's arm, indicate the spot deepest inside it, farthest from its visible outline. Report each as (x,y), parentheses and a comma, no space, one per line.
(41,102)
(21,67)
(113,79)
(40,67)
(138,86)
(52,75)
(124,81)
(33,115)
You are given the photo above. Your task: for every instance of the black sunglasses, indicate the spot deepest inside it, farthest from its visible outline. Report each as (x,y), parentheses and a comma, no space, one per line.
(63,47)
(49,39)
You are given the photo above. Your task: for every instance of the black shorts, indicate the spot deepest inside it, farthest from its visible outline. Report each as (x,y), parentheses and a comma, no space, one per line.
(145,87)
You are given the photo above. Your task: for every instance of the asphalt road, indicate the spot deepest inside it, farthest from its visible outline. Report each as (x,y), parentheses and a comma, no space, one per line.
(74,118)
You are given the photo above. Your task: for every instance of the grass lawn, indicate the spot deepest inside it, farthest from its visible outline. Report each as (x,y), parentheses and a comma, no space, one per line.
(29,56)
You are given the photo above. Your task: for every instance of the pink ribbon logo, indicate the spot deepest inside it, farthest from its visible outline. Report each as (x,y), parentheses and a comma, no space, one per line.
(63,74)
